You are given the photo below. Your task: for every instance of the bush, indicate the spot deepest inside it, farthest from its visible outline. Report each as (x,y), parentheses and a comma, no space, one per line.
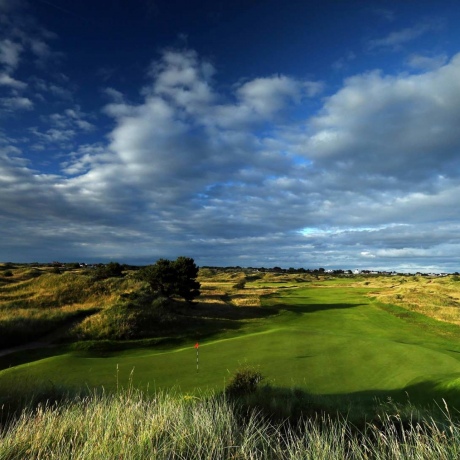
(7,273)
(240,285)
(245,381)
(169,278)
(111,270)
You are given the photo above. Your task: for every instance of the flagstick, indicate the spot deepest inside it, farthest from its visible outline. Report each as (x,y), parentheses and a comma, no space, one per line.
(197,345)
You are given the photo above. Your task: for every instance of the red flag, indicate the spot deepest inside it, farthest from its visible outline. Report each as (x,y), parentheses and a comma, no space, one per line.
(197,345)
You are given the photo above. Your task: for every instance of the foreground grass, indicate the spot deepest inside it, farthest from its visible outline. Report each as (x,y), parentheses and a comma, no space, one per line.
(130,425)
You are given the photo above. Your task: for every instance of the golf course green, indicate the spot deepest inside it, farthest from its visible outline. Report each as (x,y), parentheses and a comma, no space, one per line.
(329,339)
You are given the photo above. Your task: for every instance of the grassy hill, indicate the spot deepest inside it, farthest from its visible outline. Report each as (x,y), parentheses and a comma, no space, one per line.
(331,337)
(117,367)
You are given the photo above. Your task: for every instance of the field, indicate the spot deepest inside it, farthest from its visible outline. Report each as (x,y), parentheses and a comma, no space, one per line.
(334,337)
(352,366)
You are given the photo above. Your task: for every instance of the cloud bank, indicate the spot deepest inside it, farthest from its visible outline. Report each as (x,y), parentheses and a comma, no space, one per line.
(237,175)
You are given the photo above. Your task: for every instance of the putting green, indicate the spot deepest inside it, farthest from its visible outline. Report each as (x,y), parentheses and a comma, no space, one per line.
(327,340)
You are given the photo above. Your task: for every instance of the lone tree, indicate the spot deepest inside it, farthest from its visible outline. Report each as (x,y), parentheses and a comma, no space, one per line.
(110,270)
(170,278)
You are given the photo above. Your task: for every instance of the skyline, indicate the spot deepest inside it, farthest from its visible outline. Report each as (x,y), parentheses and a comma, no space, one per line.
(243,133)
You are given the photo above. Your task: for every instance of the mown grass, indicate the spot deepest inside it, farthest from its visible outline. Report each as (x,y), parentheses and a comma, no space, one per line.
(330,351)
(329,337)
(326,337)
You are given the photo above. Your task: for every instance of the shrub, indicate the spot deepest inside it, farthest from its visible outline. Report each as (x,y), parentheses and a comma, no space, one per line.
(111,270)
(169,278)
(240,285)
(7,273)
(245,381)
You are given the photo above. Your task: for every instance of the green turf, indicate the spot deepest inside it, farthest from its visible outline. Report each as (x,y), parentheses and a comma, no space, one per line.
(329,339)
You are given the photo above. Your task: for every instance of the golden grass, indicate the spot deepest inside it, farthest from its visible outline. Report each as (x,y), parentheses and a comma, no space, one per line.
(437,298)
(35,302)
(224,292)
(131,425)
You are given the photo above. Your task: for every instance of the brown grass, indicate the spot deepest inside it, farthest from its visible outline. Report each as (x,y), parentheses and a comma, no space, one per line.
(437,298)
(35,302)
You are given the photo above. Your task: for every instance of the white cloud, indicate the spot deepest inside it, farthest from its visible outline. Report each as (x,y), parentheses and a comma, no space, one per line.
(185,80)
(12,104)
(390,128)
(7,80)
(267,96)
(42,50)
(50,89)
(9,53)
(344,61)
(422,62)
(54,135)
(116,96)
(189,168)
(199,172)
(403,36)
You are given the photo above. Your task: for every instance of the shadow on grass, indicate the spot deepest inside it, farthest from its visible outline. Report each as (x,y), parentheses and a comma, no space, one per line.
(187,322)
(408,405)
(226,311)
(44,331)
(301,305)
(207,320)
(28,356)
(312,308)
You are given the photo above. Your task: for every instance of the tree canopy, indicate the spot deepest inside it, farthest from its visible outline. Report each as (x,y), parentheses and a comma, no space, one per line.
(170,278)
(110,270)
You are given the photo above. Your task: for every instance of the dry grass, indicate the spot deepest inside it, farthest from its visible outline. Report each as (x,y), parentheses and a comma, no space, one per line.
(226,293)
(437,298)
(35,302)
(220,288)
(130,425)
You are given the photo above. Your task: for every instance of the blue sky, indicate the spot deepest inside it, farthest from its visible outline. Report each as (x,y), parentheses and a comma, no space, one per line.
(252,133)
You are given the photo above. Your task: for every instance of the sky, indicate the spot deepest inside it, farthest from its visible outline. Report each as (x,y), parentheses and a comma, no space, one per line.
(255,133)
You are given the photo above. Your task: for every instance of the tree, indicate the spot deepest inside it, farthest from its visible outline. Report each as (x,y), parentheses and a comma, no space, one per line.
(186,273)
(110,270)
(160,277)
(240,285)
(173,278)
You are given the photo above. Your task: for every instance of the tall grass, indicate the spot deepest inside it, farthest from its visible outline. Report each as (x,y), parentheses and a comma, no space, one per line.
(36,303)
(437,298)
(131,425)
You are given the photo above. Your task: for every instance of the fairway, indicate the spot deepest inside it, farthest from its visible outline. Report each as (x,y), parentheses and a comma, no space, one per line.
(327,339)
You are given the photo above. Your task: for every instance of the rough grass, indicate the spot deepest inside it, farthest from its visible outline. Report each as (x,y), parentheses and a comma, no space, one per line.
(437,298)
(130,425)
(34,303)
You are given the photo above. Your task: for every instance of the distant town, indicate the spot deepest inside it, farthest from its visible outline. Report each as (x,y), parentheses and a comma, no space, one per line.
(276,269)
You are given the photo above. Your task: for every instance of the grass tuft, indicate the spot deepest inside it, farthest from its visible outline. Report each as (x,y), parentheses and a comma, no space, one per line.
(129,424)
